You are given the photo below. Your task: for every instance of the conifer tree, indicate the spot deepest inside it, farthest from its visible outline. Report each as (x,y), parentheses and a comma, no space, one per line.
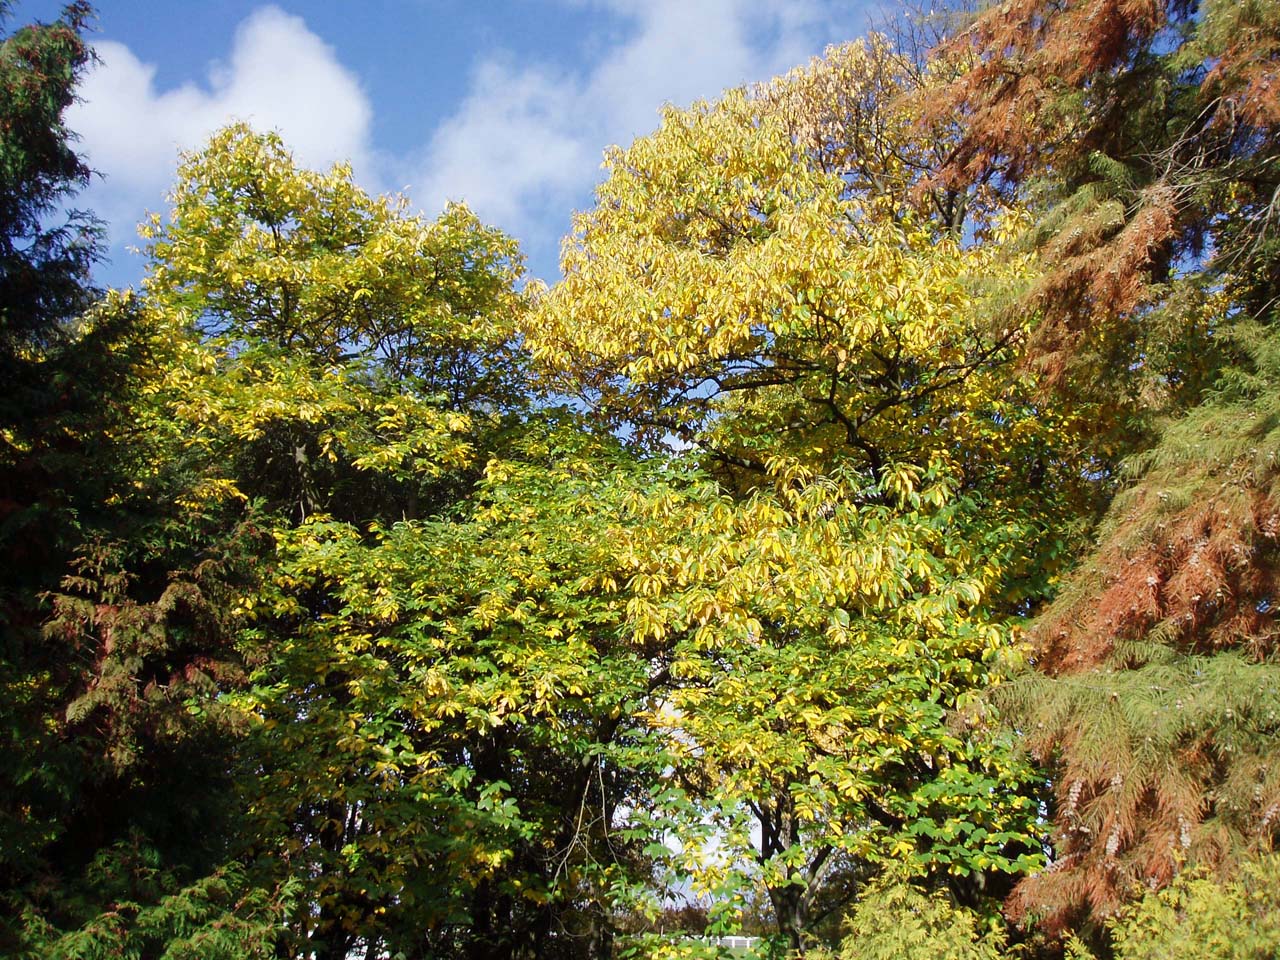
(1147,134)
(113,749)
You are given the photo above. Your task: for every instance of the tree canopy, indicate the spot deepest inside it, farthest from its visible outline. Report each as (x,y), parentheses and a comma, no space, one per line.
(869,542)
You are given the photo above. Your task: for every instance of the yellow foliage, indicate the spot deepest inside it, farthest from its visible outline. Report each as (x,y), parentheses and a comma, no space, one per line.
(737,287)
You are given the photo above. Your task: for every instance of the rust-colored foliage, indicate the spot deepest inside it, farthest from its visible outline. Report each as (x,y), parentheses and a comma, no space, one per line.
(1158,693)
(1205,577)
(1154,120)
(1028,54)
(1147,131)
(1099,273)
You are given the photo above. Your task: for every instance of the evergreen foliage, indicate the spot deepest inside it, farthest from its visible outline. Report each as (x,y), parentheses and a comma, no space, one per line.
(115,644)
(44,268)
(220,916)
(1145,135)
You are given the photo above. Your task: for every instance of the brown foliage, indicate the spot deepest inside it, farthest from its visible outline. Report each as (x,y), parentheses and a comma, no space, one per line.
(1025,55)
(1158,689)
(1147,130)
(1205,576)
(1180,94)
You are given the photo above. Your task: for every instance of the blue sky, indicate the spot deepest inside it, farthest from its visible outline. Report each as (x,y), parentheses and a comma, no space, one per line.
(505,105)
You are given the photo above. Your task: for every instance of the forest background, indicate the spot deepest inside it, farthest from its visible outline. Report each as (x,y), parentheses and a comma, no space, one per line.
(870,542)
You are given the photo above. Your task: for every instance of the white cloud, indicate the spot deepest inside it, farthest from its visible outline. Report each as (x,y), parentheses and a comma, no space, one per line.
(523,147)
(279,76)
(526,143)
(683,51)
(514,144)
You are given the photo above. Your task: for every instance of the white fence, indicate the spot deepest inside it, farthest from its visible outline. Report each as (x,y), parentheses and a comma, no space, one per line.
(733,943)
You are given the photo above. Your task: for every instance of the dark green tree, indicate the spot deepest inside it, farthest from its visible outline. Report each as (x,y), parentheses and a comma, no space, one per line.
(45,254)
(44,285)
(113,754)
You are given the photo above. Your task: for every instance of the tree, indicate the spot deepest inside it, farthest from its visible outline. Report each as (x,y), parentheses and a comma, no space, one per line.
(1155,121)
(44,286)
(1158,685)
(822,653)
(750,285)
(347,365)
(114,747)
(472,699)
(1149,136)
(353,359)
(329,634)
(44,270)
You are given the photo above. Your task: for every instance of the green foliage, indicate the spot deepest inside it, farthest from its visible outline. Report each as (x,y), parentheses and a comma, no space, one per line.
(1145,135)
(472,705)
(50,415)
(833,618)
(353,357)
(896,921)
(44,270)
(324,634)
(1160,703)
(822,652)
(152,915)
(342,365)
(112,649)
(1200,917)
(114,726)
